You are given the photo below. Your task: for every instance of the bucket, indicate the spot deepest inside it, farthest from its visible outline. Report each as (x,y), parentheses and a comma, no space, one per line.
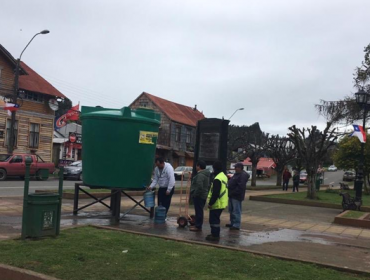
(149,199)
(160,215)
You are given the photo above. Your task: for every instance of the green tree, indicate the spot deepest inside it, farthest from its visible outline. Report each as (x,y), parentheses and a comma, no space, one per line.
(348,153)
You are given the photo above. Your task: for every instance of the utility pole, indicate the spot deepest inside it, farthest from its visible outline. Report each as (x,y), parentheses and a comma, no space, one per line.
(16,93)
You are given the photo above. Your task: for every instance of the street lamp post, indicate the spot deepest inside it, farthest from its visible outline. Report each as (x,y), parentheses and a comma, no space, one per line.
(240,109)
(363,100)
(16,92)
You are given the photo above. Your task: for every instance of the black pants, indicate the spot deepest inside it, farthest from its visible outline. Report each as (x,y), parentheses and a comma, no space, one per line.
(199,211)
(163,199)
(295,186)
(214,221)
(285,185)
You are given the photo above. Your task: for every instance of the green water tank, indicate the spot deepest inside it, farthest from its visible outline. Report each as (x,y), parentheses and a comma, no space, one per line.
(118,147)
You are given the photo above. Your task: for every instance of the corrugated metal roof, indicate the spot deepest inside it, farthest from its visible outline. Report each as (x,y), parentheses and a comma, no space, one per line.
(177,112)
(34,82)
(262,164)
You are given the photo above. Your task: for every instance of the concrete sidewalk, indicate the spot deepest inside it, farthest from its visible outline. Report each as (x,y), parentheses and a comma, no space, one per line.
(296,232)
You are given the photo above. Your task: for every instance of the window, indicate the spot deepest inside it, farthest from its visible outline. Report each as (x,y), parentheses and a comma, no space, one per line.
(143,104)
(32,96)
(8,124)
(28,159)
(177,134)
(34,135)
(17,159)
(188,136)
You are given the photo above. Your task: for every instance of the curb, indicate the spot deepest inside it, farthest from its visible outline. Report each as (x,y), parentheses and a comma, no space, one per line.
(301,202)
(14,273)
(334,267)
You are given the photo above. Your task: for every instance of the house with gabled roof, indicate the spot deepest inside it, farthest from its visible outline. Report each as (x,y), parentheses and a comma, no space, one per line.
(34,123)
(176,138)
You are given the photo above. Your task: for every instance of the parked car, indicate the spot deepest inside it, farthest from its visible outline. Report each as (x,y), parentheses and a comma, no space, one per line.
(74,170)
(183,171)
(230,173)
(15,165)
(303,177)
(332,168)
(349,176)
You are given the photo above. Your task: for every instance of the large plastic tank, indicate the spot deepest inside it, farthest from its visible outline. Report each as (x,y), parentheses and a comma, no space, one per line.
(118,147)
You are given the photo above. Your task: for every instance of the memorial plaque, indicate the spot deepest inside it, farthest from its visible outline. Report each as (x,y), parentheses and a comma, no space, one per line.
(209,145)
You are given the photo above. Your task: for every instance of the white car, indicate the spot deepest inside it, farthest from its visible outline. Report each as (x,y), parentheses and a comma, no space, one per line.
(332,168)
(183,172)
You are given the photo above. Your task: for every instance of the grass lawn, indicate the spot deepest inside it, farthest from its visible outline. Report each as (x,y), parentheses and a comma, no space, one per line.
(88,253)
(324,197)
(353,214)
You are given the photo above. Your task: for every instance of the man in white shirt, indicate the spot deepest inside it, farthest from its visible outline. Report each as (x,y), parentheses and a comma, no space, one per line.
(165,178)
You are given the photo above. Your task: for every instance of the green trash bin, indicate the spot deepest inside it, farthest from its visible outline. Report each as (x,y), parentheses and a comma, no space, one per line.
(41,211)
(42,216)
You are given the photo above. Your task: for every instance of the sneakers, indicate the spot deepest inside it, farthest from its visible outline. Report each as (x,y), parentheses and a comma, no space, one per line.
(212,238)
(234,228)
(228,225)
(194,229)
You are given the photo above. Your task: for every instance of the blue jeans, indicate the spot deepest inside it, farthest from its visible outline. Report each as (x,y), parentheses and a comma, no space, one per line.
(285,185)
(235,209)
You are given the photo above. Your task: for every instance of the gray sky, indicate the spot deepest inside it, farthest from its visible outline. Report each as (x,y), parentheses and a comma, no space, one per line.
(274,58)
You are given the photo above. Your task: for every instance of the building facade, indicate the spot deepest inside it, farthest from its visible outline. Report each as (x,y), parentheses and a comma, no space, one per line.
(176,137)
(34,124)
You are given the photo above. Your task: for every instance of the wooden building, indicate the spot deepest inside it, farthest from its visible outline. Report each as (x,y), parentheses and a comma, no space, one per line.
(35,119)
(176,138)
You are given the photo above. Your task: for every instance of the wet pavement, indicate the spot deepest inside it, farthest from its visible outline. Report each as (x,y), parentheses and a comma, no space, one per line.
(288,231)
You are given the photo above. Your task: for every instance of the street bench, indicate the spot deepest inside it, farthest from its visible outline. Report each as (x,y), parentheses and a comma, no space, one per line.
(349,203)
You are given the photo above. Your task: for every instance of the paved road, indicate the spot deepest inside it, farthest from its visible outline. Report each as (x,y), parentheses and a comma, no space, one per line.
(14,187)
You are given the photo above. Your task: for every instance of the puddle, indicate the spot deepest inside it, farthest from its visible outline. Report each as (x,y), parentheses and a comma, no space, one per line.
(282,235)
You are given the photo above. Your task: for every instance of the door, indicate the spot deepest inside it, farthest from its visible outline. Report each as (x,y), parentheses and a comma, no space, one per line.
(16,166)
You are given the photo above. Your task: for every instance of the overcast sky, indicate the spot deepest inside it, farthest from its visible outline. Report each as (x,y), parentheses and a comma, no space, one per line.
(276,59)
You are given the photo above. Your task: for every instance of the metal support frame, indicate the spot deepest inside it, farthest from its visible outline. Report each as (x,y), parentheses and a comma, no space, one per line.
(115,202)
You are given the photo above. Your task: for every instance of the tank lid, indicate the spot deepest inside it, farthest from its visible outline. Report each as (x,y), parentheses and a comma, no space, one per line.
(141,114)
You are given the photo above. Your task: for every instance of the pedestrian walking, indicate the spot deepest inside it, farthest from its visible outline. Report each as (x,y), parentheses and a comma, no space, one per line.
(286,177)
(237,186)
(217,201)
(199,192)
(296,179)
(165,178)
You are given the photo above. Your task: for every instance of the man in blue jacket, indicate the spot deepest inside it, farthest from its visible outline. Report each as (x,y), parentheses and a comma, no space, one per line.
(237,186)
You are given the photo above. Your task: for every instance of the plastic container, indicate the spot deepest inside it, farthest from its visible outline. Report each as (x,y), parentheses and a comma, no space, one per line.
(160,215)
(118,147)
(149,200)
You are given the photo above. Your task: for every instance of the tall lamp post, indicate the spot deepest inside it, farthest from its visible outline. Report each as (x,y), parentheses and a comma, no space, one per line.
(16,93)
(363,100)
(240,109)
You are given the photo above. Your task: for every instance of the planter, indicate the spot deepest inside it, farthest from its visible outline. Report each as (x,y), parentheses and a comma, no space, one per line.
(302,202)
(363,221)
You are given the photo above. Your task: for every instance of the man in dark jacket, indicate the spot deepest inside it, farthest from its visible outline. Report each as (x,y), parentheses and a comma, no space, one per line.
(199,192)
(286,177)
(237,186)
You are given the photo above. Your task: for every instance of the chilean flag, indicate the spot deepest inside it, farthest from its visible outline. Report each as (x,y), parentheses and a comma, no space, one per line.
(10,107)
(359,133)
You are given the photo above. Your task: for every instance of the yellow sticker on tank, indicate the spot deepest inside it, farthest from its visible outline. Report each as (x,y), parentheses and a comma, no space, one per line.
(146,137)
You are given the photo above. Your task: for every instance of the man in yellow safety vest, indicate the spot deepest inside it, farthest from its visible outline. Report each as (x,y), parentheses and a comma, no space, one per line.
(217,201)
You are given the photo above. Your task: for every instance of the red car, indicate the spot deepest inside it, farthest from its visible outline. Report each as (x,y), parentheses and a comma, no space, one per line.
(14,165)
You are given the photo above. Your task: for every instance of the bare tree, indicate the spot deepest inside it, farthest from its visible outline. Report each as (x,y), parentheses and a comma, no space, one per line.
(312,146)
(248,141)
(282,151)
